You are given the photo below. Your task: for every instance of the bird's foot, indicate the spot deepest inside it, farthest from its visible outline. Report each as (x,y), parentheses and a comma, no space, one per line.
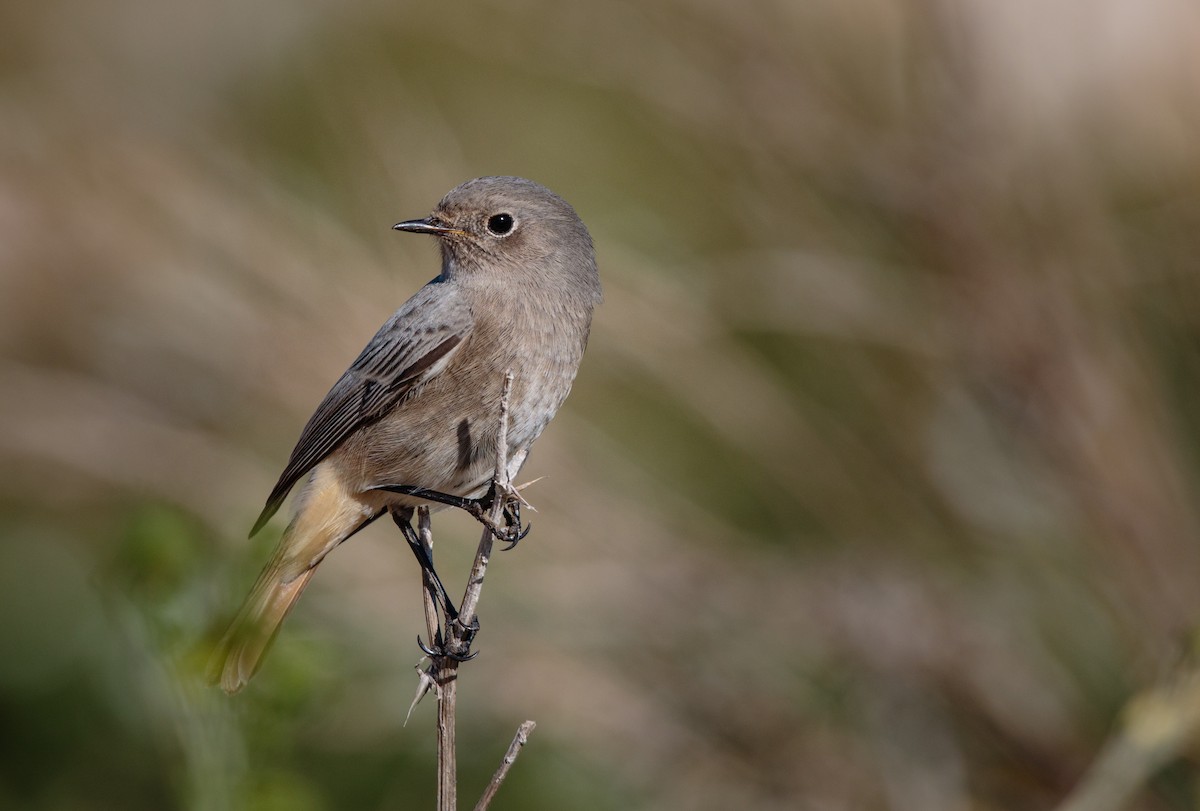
(458,647)
(509,530)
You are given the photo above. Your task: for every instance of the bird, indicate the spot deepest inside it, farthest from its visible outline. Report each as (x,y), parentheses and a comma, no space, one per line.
(417,411)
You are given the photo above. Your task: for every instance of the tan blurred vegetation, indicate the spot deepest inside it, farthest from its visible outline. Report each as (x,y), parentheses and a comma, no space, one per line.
(877,488)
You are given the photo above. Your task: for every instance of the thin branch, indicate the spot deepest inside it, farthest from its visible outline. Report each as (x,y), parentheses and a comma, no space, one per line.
(503,488)
(514,749)
(444,669)
(445,674)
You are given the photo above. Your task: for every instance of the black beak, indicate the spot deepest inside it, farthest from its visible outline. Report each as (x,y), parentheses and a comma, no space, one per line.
(425,226)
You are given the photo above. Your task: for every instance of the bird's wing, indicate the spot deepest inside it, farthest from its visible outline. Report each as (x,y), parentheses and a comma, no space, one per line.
(412,347)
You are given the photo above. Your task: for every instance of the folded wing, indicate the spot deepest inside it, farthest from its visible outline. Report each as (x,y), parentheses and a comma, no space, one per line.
(411,348)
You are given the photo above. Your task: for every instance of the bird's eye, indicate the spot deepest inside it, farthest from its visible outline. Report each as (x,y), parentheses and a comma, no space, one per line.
(500,224)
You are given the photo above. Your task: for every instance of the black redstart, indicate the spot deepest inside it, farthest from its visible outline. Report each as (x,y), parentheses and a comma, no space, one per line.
(418,409)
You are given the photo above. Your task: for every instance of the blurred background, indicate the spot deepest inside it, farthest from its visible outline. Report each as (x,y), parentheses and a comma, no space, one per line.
(877,487)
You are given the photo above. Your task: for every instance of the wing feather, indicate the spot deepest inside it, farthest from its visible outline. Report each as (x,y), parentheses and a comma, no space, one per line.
(405,353)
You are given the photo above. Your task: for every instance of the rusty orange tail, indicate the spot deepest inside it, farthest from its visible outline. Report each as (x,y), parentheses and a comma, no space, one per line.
(327,515)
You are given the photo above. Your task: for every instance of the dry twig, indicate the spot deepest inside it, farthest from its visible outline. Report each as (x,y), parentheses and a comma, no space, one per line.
(442,673)
(514,749)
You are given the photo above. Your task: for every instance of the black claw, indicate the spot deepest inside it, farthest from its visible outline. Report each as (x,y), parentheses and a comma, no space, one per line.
(471,631)
(512,533)
(440,652)
(427,650)
(521,533)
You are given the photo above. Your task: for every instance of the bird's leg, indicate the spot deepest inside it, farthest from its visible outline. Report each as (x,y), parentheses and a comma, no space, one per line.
(403,519)
(510,533)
